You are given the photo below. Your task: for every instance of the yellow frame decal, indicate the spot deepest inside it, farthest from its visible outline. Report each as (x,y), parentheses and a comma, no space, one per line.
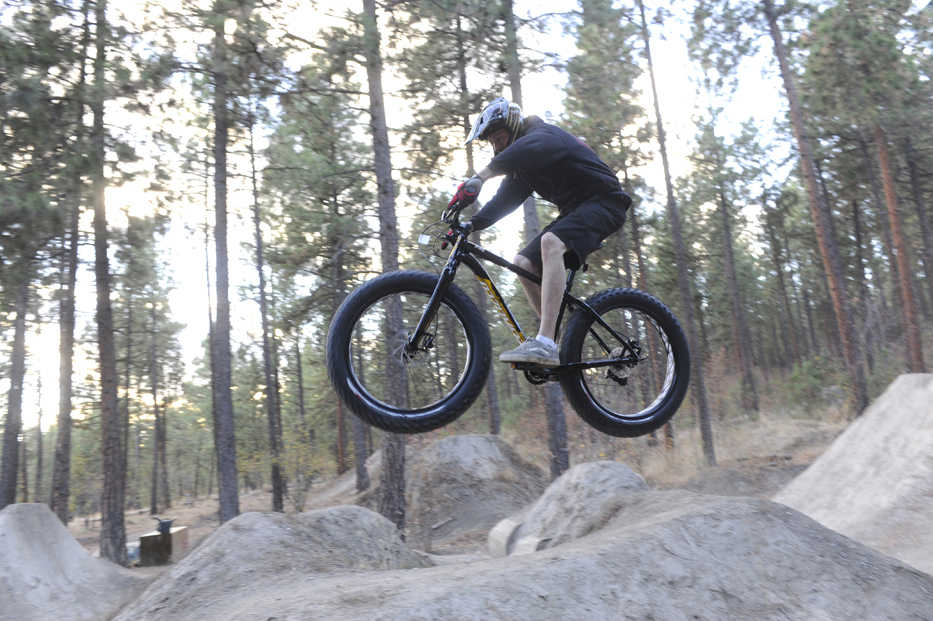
(500,304)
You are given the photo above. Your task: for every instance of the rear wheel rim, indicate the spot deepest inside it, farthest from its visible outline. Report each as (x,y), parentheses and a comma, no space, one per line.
(629,393)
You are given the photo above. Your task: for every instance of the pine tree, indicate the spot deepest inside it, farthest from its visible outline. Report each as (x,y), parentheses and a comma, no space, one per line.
(722,38)
(392,502)
(717,180)
(858,57)
(220,347)
(37,59)
(314,176)
(683,280)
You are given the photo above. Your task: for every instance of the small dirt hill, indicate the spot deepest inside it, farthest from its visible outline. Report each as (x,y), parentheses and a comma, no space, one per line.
(255,553)
(45,574)
(460,486)
(457,488)
(575,504)
(875,482)
(656,555)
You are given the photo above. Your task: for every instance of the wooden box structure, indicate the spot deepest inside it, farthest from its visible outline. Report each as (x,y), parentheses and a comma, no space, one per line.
(157,548)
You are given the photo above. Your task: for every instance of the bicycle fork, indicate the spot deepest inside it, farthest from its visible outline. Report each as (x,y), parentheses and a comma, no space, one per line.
(420,339)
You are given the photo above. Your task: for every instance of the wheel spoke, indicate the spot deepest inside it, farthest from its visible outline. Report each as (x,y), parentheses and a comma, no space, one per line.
(628,389)
(429,373)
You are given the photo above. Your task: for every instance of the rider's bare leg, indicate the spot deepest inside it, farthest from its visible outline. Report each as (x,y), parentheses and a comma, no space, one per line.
(552,282)
(532,289)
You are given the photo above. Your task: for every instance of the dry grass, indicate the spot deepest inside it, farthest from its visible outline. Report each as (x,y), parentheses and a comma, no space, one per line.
(739,439)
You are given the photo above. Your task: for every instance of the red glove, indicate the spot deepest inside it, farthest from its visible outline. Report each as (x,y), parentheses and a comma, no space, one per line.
(467,192)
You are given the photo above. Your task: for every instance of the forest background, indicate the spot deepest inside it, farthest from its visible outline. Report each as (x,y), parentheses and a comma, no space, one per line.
(190,188)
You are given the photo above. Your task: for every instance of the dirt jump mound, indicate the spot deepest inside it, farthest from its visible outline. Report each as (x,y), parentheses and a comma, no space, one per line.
(257,552)
(46,574)
(875,482)
(575,504)
(656,555)
(462,485)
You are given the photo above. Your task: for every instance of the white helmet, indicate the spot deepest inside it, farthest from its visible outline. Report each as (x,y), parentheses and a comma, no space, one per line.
(497,115)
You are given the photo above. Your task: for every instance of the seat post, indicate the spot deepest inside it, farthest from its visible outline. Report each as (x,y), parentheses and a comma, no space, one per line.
(563,302)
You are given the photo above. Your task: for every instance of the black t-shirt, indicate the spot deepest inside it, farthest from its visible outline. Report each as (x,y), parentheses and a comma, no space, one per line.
(560,167)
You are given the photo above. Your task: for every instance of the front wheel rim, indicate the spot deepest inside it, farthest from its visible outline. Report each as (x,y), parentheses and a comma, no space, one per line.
(430,376)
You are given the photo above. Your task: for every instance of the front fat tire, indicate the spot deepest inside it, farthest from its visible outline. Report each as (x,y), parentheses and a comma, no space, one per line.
(574,386)
(396,419)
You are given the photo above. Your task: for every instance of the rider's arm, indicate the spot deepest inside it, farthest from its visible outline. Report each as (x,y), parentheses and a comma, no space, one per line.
(512,193)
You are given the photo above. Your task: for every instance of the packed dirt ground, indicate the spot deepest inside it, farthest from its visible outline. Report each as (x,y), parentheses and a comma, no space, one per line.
(802,518)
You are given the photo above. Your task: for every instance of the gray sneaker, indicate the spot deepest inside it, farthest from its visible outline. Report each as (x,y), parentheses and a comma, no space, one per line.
(533,351)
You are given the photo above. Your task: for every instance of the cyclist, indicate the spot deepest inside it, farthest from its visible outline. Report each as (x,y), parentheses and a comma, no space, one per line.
(539,157)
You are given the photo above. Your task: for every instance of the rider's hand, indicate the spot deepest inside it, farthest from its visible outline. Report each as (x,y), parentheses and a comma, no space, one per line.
(466,193)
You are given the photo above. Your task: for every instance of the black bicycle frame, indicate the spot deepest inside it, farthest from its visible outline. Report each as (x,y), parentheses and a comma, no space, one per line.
(466,252)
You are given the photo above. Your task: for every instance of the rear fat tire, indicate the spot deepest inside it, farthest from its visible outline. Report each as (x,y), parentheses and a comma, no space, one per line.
(396,419)
(574,384)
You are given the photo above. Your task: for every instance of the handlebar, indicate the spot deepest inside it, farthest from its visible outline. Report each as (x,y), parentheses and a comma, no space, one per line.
(451,215)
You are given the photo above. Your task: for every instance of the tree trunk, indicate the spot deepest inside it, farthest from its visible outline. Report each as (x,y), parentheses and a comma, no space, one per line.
(340,442)
(225,435)
(643,279)
(197,468)
(741,333)
(210,333)
(125,408)
(908,304)
(789,328)
(867,334)
(24,479)
(821,221)
(61,468)
(159,461)
(138,462)
(683,280)
(557,430)
(360,453)
(154,482)
(299,380)
(556,419)
(112,527)
(37,493)
(877,194)
(514,68)
(492,395)
(922,214)
(392,502)
(162,443)
(272,393)
(9,476)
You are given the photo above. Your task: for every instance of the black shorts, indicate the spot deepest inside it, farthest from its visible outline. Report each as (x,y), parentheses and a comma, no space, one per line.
(582,229)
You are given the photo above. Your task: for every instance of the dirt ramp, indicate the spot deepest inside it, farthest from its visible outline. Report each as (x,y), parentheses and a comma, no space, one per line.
(575,504)
(250,554)
(661,555)
(46,574)
(875,482)
(462,485)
